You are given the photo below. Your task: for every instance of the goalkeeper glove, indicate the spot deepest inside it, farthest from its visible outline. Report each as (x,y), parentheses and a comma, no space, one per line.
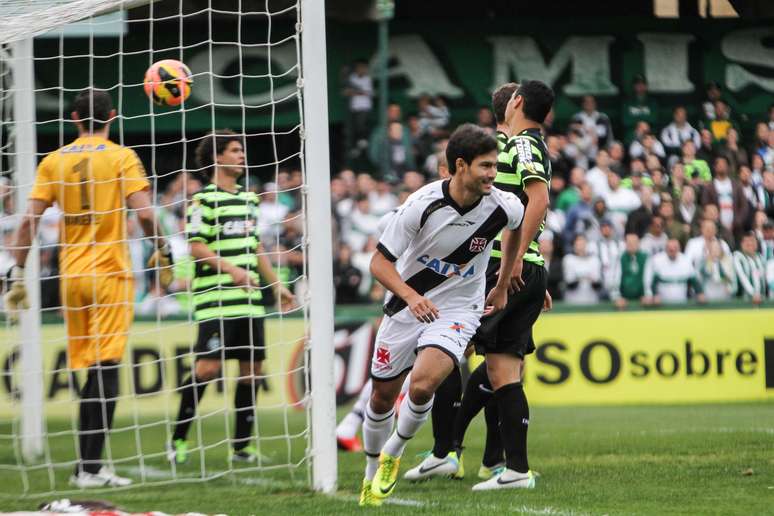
(162,259)
(16,297)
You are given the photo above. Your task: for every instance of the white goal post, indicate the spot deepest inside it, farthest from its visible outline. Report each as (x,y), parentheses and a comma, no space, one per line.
(22,21)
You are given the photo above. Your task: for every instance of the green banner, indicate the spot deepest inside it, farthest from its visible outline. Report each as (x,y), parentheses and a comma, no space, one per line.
(462,62)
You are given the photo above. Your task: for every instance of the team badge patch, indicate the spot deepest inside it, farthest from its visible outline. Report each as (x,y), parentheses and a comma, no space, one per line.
(383,355)
(477,244)
(457,327)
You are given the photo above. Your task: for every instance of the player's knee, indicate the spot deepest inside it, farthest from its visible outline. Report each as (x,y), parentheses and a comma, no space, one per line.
(381,400)
(421,391)
(207,370)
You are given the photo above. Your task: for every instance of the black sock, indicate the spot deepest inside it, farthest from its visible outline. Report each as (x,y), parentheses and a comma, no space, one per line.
(514,423)
(191,395)
(244,403)
(98,405)
(473,401)
(445,407)
(493,449)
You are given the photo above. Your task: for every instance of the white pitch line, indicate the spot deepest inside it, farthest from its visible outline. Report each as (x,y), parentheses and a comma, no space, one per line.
(390,501)
(154,473)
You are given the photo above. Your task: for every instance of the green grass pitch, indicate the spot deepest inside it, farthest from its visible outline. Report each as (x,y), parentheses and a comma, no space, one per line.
(705,459)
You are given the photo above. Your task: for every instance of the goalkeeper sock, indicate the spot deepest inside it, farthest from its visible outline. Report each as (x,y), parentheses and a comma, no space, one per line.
(473,401)
(376,431)
(192,391)
(98,405)
(244,403)
(410,420)
(514,423)
(493,448)
(445,407)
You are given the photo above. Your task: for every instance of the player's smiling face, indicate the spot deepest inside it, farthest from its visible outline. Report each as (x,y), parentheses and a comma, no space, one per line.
(481,173)
(233,158)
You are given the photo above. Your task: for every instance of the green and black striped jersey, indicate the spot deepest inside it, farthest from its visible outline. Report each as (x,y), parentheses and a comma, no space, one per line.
(520,159)
(228,223)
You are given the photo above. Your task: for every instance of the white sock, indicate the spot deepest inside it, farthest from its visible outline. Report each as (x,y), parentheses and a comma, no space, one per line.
(410,420)
(376,430)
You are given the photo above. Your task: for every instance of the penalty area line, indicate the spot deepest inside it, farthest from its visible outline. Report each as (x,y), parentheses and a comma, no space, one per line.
(388,501)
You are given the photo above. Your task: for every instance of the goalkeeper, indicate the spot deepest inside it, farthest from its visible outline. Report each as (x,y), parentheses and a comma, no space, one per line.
(230,261)
(94,181)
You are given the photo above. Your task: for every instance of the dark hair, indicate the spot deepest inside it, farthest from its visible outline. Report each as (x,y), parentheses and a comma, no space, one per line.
(213,144)
(500,98)
(93,108)
(538,99)
(468,142)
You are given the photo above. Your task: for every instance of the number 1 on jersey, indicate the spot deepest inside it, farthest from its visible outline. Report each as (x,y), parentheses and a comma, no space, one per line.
(82,168)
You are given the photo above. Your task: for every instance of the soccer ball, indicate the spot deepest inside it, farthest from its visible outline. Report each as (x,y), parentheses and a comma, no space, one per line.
(168,82)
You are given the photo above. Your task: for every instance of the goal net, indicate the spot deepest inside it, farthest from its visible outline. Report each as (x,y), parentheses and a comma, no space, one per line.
(245,58)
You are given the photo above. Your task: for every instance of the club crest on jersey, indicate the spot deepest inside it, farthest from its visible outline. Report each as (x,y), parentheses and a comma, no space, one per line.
(383,355)
(477,244)
(445,268)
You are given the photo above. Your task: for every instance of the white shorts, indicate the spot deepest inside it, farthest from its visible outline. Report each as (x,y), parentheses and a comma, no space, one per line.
(397,343)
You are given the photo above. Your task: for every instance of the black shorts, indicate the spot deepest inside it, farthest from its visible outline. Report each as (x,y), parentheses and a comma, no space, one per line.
(510,330)
(242,339)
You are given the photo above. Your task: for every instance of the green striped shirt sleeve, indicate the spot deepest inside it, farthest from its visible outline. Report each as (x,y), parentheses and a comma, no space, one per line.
(528,160)
(200,220)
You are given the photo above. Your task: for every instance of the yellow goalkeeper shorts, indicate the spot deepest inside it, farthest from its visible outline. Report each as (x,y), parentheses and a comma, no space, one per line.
(98,312)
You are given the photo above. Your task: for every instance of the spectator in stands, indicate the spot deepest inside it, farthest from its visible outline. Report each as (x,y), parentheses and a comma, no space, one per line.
(346,277)
(697,248)
(413,181)
(430,167)
(560,164)
(554,267)
(729,196)
(731,150)
(360,91)
(608,249)
(597,176)
(712,95)
(678,132)
(688,212)
(692,165)
(716,273)
(753,193)
(580,216)
(397,146)
(361,224)
(721,123)
(620,201)
(655,240)
(631,273)
(638,220)
(765,234)
(639,107)
(706,151)
(582,277)
(645,143)
(434,115)
(271,214)
(362,261)
(750,270)
(422,144)
(382,199)
(571,196)
(580,147)
(768,194)
(594,123)
(485,119)
(767,152)
(674,228)
(617,154)
(712,212)
(670,276)
(761,138)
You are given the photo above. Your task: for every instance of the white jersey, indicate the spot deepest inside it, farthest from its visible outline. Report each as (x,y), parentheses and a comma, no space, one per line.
(442,250)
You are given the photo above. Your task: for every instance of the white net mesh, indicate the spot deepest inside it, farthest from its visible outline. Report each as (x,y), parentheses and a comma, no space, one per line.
(244,57)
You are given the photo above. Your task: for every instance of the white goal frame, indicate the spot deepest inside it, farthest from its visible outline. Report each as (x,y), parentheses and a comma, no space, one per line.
(312,83)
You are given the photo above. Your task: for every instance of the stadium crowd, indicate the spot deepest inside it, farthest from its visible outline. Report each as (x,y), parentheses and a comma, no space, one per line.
(658,215)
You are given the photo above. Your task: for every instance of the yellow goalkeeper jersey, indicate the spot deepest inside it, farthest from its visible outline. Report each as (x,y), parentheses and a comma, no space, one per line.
(90,180)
